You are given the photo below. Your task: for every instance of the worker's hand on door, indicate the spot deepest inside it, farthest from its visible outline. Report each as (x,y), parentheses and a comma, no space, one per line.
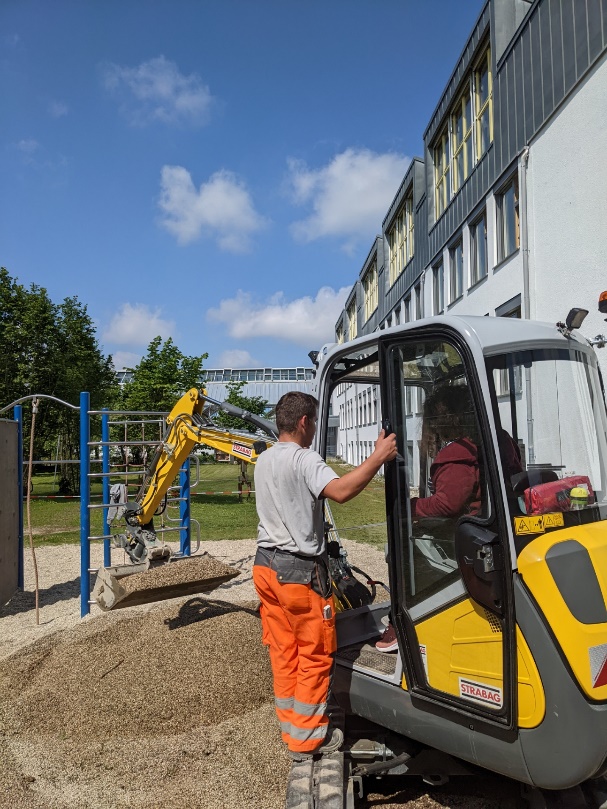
(385,447)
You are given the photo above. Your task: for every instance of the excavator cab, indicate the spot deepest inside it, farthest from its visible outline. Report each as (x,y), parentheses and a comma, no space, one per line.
(498,582)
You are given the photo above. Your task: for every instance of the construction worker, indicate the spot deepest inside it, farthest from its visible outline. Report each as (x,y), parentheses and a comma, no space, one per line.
(291,574)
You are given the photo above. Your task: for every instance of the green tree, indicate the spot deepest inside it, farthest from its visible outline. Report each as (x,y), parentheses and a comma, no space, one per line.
(51,349)
(254,404)
(162,377)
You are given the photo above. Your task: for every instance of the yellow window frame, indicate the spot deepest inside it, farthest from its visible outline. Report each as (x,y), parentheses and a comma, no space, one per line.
(459,147)
(480,109)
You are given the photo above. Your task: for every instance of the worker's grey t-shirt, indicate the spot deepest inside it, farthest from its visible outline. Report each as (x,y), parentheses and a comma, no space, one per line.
(288,482)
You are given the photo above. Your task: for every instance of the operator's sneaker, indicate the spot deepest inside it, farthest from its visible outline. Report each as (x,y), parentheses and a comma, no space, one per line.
(388,641)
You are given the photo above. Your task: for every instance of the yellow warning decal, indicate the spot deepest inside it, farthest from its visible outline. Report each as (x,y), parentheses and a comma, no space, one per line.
(554,520)
(537,525)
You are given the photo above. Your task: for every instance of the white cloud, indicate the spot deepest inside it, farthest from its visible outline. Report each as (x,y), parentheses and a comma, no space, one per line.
(156,91)
(136,325)
(307,321)
(348,197)
(237,358)
(28,146)
(125,359)
(57,109)
(221,208)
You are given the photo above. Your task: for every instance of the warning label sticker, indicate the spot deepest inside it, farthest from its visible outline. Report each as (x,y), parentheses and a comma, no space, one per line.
(598,665)
(242,450)
(480,692)
(537,525)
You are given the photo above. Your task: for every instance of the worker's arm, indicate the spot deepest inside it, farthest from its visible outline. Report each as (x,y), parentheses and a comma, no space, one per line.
(345,488)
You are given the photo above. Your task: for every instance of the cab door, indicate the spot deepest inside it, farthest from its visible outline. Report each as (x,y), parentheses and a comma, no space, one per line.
(448,552)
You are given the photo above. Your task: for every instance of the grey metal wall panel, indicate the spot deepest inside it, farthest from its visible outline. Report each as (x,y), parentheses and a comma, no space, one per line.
(580,23)
(527,73)
(595,29)
(568,42)
(536,71)
(9,511)
(546,59)
(519,98)
(556,40)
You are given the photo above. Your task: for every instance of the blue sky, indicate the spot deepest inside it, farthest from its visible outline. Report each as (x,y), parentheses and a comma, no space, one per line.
(212,171)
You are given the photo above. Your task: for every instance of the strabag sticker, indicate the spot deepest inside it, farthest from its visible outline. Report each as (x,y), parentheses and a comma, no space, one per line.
(424,655)
(242,450)
(598,665)
(480,692)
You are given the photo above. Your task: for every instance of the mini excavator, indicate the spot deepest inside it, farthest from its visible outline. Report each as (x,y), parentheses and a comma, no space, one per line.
(500,613)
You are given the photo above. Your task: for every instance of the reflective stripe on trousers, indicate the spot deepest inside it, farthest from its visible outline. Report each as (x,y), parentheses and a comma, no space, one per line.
(301,642)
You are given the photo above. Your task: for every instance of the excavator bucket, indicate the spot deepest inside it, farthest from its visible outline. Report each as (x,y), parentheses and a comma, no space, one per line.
(131,584)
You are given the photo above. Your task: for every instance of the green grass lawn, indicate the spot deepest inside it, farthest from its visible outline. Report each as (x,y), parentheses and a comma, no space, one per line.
(221,516)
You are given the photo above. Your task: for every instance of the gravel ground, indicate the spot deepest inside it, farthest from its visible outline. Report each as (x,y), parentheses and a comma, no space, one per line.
(162,706)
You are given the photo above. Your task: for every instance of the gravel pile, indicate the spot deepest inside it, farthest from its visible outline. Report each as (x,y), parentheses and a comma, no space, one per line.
(161,706)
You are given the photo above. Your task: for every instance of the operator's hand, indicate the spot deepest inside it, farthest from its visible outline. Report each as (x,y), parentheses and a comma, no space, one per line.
(385,447)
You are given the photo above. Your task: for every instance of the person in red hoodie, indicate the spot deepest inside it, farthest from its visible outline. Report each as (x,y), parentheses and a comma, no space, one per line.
(449,435)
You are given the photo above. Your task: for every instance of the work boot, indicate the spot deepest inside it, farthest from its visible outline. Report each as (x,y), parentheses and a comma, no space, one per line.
(388,641)
(333,740)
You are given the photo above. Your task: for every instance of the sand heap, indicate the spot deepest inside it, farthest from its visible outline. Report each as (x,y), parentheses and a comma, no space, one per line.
(170,708)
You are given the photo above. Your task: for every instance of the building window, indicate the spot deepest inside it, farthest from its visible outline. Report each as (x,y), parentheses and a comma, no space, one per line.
(456,272)
(419,312)
(352,324)
(466,136)
(370,291)
(508,237)
(483,104)
(339,333)
(461,135)
(442,169)
(400,239)
(407,310)
(478,249)
(438,288)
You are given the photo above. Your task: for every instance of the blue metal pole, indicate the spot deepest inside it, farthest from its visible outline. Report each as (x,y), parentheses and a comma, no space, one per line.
(18,412)
(85,514)
(184,507)
(105,468)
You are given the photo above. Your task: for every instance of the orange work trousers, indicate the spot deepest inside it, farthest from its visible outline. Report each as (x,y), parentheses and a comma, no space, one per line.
(298,626)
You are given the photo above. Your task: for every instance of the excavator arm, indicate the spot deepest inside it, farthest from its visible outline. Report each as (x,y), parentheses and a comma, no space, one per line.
(188,424)
(187,427)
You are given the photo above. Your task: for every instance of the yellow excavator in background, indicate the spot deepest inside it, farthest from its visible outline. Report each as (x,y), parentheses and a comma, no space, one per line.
(189,424)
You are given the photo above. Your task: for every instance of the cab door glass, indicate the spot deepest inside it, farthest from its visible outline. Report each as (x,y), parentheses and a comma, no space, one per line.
(439,437)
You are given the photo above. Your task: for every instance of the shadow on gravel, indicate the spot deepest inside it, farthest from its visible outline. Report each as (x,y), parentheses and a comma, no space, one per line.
(462,792)
(26,601)
(201,609)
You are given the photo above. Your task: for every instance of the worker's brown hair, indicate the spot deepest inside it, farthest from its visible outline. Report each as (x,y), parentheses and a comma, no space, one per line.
(448,416)
(291,407)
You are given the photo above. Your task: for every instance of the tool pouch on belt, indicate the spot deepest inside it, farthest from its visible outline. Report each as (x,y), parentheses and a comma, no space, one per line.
(294,568)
